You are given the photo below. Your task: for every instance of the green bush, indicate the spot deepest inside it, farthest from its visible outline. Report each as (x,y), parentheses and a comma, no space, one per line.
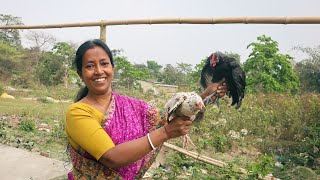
(1,88)
(27,125)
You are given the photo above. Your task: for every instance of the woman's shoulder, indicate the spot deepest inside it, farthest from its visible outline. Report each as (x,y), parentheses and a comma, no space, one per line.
(82,107)
(78,105)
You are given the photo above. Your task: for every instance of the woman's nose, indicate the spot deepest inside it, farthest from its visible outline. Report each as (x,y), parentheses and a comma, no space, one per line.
(98,70)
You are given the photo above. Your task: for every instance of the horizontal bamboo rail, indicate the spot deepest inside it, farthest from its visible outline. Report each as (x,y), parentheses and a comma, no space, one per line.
(222,20)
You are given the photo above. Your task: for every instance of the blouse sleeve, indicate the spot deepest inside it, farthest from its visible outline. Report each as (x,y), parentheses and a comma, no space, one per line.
(84,129)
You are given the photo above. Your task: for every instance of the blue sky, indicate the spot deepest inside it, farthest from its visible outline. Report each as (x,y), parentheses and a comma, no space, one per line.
(169,44)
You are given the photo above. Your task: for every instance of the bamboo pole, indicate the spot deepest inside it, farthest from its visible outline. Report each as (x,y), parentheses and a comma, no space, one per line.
(222,20)
(103,33)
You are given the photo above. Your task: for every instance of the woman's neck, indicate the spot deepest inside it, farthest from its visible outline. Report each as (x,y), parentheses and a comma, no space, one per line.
(100,102)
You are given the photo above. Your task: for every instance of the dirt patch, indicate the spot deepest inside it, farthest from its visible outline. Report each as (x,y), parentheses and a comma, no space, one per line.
(20,164)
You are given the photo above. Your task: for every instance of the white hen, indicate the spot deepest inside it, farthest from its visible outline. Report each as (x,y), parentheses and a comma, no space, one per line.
(184,104)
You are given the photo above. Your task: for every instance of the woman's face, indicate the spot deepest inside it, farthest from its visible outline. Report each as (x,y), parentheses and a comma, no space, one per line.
(97,71)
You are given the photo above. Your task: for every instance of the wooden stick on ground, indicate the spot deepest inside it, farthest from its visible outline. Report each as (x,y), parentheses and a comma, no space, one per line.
(207,159)
(201,157)
(196,155)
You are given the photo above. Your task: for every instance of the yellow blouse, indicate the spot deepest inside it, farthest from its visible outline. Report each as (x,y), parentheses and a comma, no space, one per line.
(83,128)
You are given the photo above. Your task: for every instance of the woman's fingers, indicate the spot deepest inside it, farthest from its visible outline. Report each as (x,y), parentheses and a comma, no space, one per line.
(178,126)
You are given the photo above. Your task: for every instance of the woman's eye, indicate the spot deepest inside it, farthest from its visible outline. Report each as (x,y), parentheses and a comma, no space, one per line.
(89,66)
(105,63)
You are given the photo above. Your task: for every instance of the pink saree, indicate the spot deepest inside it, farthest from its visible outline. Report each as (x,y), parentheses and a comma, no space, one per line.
(127,119)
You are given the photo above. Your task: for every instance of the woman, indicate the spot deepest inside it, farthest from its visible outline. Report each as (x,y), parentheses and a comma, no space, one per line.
(113,136)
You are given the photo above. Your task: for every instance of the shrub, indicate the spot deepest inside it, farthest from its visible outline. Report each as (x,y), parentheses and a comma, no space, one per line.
(1,88)
(27,125)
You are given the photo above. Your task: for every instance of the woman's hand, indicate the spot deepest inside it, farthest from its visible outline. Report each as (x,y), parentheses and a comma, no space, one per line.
(178,126)
(221,88)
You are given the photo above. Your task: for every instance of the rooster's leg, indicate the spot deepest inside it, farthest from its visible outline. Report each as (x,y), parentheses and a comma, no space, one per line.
(186,142)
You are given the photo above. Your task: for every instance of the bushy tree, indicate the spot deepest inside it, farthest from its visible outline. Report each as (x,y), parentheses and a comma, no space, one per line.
(267,70)
(10,36)
(169,74)
(50,70)
(66,53)
(155,69)
(126,72)
(308,69)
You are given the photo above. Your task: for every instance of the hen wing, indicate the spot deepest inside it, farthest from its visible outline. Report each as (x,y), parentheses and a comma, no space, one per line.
(172,105)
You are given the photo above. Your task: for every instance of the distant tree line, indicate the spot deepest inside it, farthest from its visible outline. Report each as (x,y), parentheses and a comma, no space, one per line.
(267,70)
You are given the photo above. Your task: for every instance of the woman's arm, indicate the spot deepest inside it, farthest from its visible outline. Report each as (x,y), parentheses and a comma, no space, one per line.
(131,151)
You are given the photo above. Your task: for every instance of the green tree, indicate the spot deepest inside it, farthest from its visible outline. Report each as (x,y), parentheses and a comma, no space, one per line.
(155,69)
(9,52)
(267,70)
(9,61)
(65,52)
(184,71)
(169,74)
(50,70)
(127,73)
(308,70)
(10,36)
(143,69)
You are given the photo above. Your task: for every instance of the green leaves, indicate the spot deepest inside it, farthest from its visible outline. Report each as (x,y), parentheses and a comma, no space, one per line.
(10,36)
(308,69)
(261,167)
(267,70)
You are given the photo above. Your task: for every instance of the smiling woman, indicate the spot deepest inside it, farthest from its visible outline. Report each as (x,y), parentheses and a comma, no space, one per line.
(111,135)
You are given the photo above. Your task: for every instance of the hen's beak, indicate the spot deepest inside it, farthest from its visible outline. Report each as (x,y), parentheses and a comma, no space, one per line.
(199,105)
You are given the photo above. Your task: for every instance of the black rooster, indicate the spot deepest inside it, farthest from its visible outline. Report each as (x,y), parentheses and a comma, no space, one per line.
(219,66)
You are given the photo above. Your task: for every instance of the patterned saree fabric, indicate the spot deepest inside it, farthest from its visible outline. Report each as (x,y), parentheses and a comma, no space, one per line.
(126,119)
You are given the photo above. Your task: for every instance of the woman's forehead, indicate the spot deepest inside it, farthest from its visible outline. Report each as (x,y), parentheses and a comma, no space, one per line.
(95,53)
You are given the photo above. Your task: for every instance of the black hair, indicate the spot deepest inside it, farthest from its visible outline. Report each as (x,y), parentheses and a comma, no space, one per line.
(79,57)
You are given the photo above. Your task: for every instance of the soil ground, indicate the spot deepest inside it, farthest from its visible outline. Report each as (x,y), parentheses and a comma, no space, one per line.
(19,164)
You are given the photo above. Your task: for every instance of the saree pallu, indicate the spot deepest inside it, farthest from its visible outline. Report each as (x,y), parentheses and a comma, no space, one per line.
(127,119)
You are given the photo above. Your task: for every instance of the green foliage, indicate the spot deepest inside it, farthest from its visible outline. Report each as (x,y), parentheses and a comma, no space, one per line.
(66,52)
(308,70)
(261,167)
(9,52)
(10,36)
(169,75)
(27,124)
(267,70)
(1,88)
(127,73)
(299,172)
(155,69)
(50,69)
